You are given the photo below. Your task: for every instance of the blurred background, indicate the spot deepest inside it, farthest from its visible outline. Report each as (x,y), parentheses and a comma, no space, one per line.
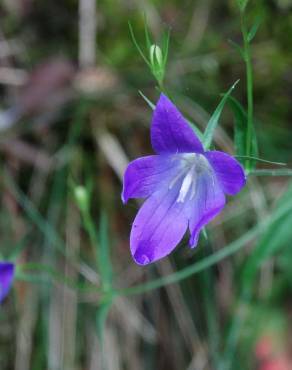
(71,115)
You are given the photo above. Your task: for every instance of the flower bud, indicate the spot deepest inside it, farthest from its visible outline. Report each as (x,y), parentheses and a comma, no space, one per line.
(156,58)
(81,196)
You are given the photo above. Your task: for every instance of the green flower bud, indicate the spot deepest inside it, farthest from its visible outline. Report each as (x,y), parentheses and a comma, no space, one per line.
(156,57)
(81,196)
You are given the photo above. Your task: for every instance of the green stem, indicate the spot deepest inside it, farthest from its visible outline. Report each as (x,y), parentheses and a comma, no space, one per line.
(235,329)
(209,300)
(272,172)
(90,228)
(249,87)
(23,273)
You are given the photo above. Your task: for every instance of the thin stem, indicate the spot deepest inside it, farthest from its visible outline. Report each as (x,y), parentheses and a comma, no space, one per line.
(23,273)
(249,87)
(90,228)
(273,172)
(235,329)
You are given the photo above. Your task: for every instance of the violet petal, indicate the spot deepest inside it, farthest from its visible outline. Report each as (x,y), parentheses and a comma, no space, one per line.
(6,278)
(228,170)
(158,227)
(208,202)
(170,133)
(145,174)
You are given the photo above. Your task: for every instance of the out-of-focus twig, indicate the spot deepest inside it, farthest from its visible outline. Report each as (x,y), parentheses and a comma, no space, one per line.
(44,92)
(198,24)
(25,332)
(12,76)
(27,153)
(113,152)
(184,319)
(69,295)
(134,319)
(9,48)
(87,33)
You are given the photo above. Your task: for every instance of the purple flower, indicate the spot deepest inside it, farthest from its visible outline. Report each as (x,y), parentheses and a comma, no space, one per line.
(185,186)
(6,278)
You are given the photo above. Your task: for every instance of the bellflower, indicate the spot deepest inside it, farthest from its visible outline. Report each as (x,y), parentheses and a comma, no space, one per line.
(7,270)
(185,186)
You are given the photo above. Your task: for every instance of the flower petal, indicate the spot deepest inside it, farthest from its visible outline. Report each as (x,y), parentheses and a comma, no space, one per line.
(158,227)
(145,174)
(170,133)
(209,201)
(228,170)
(6,278)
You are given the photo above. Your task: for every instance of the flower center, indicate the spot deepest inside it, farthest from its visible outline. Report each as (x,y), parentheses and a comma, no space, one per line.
(192,166)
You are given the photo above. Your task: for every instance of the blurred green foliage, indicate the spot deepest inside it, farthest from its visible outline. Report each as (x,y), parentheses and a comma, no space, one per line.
(68,302)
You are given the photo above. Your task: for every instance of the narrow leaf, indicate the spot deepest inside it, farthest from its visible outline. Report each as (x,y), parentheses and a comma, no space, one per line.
(242,4)
(251,34)
(151,105)
(166,38)
(213,122)
(147,36)
(237,48)
(273,172)
(137,45)
(240,132)
(260,160)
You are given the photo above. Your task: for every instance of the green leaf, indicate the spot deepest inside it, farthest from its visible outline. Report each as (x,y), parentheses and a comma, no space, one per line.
(137,45)
(151,105)
(240,130)
(147,35)
(272,172)
(260,160)
(251,34)
(165,43)
(213,122)
(238,48)
(242,4)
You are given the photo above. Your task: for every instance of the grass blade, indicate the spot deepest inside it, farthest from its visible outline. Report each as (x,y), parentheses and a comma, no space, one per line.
(213,122)
(104,255)
(137,45)
(240,132)
(273,172)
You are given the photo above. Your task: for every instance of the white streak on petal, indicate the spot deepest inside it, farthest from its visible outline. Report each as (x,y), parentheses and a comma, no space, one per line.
(187,182)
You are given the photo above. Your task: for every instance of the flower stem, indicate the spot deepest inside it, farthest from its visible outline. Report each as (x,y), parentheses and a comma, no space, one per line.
(249,87)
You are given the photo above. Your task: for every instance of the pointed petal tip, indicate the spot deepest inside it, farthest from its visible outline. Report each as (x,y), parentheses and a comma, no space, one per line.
(164,102)
(124,198)
(143,256)
(142,260)
(163,97)
(170,132)
(193,242)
